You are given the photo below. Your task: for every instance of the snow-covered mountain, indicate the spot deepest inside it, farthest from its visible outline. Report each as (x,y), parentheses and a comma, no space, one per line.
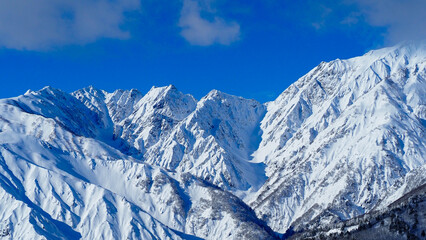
(345,139)
(65,174)
(337,139)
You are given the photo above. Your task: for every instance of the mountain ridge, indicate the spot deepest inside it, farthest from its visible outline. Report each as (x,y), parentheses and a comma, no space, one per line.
(345,139)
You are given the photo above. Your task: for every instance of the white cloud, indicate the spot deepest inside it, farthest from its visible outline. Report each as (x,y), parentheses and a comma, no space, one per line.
(43,24)
(203,32)
(403,19)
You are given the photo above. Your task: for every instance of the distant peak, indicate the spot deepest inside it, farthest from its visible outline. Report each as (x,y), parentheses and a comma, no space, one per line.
(49,92)
(162,91)
(90,91)
(46,88)
(50,89)
(133,93)
(91,88)
(215,93)
(172,87)
(169,87)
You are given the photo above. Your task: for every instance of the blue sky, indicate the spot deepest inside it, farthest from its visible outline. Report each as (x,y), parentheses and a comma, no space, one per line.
(254,49)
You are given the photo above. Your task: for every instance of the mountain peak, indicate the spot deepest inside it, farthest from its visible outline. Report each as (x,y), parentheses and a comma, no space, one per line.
(214,93)
(167,92)
(91,90)
(220,96)
(171,86)
(50,90)
(405,50)
(168,96)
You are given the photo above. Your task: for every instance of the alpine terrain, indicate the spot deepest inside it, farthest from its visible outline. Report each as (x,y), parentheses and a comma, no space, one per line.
(341,153)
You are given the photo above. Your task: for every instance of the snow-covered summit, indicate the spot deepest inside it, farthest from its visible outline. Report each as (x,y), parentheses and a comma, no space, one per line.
(341,135)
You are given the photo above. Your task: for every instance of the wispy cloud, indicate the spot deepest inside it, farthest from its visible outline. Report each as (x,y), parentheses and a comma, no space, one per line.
(323,12)
(43,24)
(204,32)
(404,19)
(398,20)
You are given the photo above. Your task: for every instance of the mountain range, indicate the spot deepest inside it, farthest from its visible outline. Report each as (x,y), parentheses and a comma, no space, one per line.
(345,142)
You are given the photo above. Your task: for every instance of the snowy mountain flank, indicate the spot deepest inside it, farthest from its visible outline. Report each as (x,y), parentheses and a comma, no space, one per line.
(346,140)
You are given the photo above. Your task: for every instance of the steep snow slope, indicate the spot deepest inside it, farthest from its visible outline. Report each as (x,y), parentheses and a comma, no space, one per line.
(70,182)
(215,142)
(138,121)
(343,134)
(44,191)
(212,139)
(153,116)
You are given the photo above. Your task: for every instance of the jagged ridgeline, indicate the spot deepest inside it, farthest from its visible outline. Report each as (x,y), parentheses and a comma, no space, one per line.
(340,153)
